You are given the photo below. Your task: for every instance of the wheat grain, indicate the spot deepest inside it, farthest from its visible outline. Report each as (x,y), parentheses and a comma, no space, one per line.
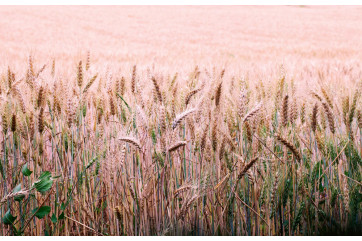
(181,117)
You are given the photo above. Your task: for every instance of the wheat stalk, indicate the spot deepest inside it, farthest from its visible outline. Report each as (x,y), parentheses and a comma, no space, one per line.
(290,146)
(181,117)
(132,141)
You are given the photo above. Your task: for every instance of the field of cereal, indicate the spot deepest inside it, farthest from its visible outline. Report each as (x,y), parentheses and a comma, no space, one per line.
(190,120)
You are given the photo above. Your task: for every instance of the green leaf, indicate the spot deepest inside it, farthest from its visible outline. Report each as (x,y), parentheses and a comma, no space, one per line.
(61,216)
(17,188)
(44,183)
(26,172)
(62,206)
(18,198)
(8,218)
(129,109)
(46,174)
(54,218)
(44,210)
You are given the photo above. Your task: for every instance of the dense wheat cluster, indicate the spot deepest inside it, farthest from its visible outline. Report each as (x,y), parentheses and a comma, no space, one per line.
(205,152)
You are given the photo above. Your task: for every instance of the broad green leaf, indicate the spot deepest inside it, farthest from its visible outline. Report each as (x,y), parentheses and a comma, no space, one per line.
(8,218)
(26,172)
(54,218)
(44,183)
(44,210)
(18,198)
(17,188)
(61,216)
(46,174)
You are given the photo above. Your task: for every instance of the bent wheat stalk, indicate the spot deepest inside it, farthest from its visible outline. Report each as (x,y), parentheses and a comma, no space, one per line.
(182,116)
(190,94)
(290,146)
(177,145)
(132,141)
(252,112)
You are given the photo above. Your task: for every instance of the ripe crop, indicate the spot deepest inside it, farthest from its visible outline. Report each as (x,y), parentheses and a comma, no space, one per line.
(188,120)
(134,153)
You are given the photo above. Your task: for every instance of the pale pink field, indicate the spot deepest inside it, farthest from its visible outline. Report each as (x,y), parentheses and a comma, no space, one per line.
(175,36)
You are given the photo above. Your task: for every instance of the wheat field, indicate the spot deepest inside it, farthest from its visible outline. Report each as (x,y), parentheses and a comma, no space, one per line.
(120,124)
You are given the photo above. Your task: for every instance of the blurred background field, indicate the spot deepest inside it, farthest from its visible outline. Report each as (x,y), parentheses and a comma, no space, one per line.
(181,35)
